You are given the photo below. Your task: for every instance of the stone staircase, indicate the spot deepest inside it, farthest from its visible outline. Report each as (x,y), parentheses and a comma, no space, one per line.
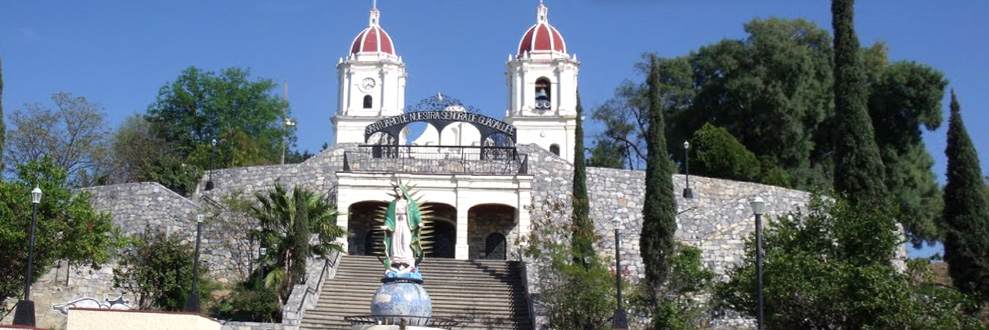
(479,294)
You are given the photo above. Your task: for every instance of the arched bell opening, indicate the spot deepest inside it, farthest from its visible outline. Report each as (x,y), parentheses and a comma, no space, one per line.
(544,94)
(486,220)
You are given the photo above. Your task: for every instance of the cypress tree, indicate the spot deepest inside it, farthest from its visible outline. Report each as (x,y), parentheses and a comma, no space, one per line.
(859,171)
(300,229)
(582,240)
(966,217)
(656,242)
(3,125)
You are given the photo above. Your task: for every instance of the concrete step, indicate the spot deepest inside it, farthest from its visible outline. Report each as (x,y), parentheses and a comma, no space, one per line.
(480,294)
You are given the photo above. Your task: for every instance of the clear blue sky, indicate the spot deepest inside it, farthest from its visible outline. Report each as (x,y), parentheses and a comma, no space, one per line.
(120,53)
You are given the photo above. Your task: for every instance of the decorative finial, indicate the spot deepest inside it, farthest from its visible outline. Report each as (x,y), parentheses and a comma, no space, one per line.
(375,15)
(439,96)
(542,12)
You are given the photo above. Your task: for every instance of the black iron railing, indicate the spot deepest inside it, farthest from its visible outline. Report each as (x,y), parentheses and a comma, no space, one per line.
(436,160)
(435,322)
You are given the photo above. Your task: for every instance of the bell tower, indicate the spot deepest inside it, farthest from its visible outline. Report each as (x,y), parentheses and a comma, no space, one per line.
(372,83)
(542,89)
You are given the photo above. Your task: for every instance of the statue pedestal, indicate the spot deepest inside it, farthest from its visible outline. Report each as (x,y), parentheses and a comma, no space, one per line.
(401,299)
(389,327)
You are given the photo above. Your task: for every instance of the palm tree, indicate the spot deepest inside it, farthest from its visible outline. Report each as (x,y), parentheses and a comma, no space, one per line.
(287,223)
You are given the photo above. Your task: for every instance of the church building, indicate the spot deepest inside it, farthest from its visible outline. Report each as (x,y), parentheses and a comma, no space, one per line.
(465,165)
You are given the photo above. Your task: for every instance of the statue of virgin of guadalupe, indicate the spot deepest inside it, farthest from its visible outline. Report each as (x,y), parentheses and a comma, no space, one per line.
(403,224)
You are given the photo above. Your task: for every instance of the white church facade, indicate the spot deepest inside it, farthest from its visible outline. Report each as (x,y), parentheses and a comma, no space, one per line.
(465,165)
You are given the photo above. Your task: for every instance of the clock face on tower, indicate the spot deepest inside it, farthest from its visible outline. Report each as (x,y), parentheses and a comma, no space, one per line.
(367,85)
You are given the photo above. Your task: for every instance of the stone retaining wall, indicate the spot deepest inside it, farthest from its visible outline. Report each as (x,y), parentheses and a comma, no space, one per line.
(717,219)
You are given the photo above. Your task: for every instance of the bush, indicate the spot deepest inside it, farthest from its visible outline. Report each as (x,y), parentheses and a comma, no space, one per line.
(574,297)
(716,153)
(157,269)
(247,304)
(831,268)
(680,308)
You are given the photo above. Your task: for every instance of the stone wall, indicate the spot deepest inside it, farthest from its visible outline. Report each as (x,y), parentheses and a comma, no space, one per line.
(717,219)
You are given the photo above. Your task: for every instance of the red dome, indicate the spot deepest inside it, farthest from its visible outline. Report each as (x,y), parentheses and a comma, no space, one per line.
(373,40)
(542,37)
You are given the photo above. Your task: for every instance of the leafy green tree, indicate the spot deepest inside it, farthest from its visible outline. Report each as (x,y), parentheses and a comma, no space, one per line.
(68,227)
(688,279)
(830,268)
(859,172)
(716,153)
(659,207)
(607,153)
(904,97)
(582,234)
(74,134)
(772,90)
(966,212)
(200,106)
(157,269)
(139,156)
(281,217)
(626,116)
(576,295)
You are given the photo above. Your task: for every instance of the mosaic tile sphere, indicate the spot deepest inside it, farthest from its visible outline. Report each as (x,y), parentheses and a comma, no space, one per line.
(395,299)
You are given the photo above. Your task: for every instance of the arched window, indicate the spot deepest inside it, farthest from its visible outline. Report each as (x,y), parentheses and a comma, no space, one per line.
(555,149)
(368,101)
(544,94)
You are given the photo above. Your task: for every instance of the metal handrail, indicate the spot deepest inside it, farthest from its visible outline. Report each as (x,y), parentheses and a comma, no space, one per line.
(482,160)
(432,321)
(334,256)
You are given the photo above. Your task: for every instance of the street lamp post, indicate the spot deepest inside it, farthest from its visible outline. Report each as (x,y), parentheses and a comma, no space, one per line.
(620,320)
(261,253)
(25,307)
(192,300)
(286,123)
(212,153)
(687,193)
(758,206)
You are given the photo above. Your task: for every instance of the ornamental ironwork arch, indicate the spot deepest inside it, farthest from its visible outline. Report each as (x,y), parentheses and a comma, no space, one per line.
(443,111)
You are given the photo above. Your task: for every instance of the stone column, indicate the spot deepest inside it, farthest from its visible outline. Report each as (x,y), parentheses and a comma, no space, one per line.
(523,219)
(342,221)
(463,249)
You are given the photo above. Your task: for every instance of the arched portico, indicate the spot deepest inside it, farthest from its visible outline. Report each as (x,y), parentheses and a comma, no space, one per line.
(492,203)
(493,229)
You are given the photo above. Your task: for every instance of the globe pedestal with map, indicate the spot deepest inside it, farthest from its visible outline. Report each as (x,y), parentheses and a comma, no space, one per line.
(401,299)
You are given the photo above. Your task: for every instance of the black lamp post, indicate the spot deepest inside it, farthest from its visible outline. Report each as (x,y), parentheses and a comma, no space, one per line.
(212,153)
(620,320)
(687,193)
(758,206)
(192,300)
(25,307)
(261,252)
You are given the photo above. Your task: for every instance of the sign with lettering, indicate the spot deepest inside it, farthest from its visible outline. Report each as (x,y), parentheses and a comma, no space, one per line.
(486,125)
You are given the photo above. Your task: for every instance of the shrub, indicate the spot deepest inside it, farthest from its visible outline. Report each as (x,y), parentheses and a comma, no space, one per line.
(158,270)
